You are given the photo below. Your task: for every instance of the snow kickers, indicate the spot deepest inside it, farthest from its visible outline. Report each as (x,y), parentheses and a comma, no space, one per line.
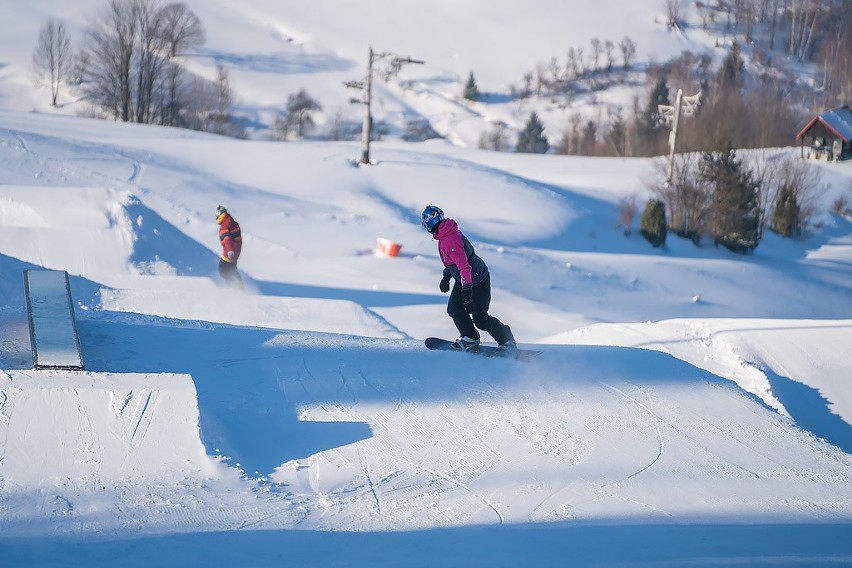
(438,344)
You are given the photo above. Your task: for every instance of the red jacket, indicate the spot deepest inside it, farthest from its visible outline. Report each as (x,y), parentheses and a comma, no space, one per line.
(230,238)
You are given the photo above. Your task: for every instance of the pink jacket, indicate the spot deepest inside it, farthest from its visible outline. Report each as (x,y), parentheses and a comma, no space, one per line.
(458,255)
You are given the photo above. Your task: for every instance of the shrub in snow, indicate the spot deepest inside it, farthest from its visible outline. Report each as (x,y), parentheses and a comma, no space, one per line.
(652,225)
(785,215)
(418,130)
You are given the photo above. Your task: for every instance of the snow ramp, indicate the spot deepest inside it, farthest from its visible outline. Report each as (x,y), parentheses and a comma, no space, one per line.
(99,428)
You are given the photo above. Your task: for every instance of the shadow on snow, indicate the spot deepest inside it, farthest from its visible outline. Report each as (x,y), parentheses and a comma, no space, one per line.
(252,383)
(566,544)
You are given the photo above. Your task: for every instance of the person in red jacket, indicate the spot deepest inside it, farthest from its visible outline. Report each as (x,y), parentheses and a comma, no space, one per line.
(471,294)
(232,243)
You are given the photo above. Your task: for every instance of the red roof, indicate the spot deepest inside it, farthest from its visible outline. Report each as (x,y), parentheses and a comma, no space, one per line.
(838,121)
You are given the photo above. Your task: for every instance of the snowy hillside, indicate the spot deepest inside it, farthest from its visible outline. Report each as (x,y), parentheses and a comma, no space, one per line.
(691,406)
(271,51)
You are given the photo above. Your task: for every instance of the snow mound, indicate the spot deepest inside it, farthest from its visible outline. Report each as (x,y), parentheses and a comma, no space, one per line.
(89,233)
(64,427)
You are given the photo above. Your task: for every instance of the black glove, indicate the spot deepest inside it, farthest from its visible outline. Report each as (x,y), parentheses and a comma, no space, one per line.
(445,284)
(467,297)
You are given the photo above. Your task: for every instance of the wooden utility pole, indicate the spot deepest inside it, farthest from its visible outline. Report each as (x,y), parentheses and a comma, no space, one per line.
(671,114)
(394,65)
(367,126)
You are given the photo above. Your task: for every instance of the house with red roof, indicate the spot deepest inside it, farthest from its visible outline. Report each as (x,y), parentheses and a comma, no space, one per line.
(829,135)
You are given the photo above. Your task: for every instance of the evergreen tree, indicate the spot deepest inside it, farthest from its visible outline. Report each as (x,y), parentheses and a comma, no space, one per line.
(471,90)
(786,215)
(652,224)
(648,124)
(589,139)
(731,72)
(734,200)
(531,140)
(617,136)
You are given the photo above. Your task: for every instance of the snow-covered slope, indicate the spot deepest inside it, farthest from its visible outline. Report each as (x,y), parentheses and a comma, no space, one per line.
(691,406)
(307,401)
(272,50)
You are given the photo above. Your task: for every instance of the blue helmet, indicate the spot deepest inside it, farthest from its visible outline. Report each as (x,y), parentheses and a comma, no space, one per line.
(431,217)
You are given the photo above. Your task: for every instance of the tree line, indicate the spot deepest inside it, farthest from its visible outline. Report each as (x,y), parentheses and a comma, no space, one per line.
(720,196)
(756,107)
(129,67)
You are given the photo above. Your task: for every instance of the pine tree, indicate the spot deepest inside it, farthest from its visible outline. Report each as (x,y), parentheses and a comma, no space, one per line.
(731,72)
(648,123)
(589,139)
(617,136)
(734,200)
(471,90)
(531,140)
(652,224)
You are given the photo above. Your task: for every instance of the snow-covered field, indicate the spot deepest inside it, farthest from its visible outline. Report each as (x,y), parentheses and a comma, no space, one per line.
(692,407)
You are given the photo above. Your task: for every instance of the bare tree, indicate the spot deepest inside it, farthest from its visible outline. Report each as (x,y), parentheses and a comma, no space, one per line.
(197,109)
(571,63)
(627,208)
(597,51)
(540,79)
(110,47)
(183,31)
(707,13)
(555,71)
(298,117)
(496,139)
(628,51)
(840,206)
(131,50)
(836,57)
(336,128)
(687,199)
(674,8)
(796,183)
(149,57)
(221,116)
(526,90)
(764,166)
(52,56)
(609,47)
(569,143)
(808,22)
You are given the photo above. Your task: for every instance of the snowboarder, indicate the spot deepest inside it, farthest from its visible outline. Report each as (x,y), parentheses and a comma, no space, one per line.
(471,295)
(232,243)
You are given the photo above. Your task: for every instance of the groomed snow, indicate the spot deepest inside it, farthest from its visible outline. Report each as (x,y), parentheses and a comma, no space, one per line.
(691,407)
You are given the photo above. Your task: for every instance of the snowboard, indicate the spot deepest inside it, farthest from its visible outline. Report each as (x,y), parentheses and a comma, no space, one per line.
(438,344)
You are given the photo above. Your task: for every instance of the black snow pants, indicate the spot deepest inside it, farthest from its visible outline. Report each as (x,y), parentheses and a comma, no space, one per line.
(228,272)
(478,317)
